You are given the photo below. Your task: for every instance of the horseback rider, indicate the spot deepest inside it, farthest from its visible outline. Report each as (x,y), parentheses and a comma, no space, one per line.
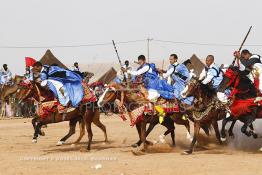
(251,65)
(66,85)
(5,75)
(180,75)
(121,76)
(211,74)
(155,86)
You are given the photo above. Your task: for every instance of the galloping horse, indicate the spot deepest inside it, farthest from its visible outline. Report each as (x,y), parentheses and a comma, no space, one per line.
(7,91)
(243,107)
(85,114)
(133,99)
(206,109)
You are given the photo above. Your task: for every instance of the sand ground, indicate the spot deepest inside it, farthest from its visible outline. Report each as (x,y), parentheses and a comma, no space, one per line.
(19,156)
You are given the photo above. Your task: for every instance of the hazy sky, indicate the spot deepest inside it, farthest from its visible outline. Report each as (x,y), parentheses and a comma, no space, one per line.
(80,22)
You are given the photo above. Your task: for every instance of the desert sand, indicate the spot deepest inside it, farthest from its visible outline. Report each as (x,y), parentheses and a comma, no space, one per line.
(18,155)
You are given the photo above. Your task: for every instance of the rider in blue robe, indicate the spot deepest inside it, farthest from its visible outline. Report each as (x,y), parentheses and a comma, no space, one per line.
(180,76)
(71,81)
(155,86)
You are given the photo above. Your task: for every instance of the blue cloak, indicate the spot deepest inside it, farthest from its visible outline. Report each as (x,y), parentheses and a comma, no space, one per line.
(71,81)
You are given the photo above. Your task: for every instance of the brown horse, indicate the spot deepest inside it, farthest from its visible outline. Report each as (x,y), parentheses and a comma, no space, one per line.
(7,91)
(86,114)
(207,110)
(132,99)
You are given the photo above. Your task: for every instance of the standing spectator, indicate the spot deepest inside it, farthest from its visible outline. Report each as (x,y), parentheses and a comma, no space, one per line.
(6,75)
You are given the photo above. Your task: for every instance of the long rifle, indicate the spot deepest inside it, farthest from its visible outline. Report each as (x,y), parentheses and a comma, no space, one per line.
(242,44)
(119,60)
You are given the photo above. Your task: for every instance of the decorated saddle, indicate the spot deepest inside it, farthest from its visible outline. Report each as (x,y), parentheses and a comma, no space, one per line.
(240,107)
(49,107)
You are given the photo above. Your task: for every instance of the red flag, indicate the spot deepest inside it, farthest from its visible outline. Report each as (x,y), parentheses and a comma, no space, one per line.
(29,61)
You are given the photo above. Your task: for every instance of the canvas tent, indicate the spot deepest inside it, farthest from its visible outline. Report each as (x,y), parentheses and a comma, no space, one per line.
(107,77)
(50,59)
(196,64)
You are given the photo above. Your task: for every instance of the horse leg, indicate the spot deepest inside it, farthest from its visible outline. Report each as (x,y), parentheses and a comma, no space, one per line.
(98,123)
(230,131)
(180,121)
(143,135)
(169,124)
(3,109)
(247,121)
(88,123)
(82,130)
(37,132)
(196,132)
(72,130)
(223,128)
(34,123)
(138,128)
(215,126)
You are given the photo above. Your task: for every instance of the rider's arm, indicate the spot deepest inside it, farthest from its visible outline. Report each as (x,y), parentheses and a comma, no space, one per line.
(140,71)
(169,72)
(202,74)
(239,65)
(208,78)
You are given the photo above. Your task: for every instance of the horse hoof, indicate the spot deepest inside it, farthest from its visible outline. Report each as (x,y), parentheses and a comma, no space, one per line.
(59,143)
(34,141)
(260,150)
(223,139)
(187,152)
(255,136)
(135,145)
(42,133)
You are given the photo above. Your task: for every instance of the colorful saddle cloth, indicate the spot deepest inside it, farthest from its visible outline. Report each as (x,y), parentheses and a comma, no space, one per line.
(49,107)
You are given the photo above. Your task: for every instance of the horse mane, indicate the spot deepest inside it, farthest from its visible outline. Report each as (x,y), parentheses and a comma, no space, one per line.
(246,84)
(132,94)
(207,90)
(46,93)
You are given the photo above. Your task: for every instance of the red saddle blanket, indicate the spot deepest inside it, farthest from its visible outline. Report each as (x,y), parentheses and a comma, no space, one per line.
(241,107)
(89,95)
(46,108)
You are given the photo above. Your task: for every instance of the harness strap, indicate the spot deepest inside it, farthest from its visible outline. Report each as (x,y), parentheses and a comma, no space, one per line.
(41,98)
(235,90)
(178,74)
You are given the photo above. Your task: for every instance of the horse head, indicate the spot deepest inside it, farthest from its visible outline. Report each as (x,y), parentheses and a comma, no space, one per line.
(25,90)
(109,95)
(191,88)
(230,78)
(242,87)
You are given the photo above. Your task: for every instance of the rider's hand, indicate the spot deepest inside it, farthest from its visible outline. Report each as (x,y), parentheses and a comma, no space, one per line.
(237,54)
(62,91)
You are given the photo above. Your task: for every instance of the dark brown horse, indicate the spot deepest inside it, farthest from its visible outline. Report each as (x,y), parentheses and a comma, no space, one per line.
(132,99)
(207,110)
(242,89)
(86,114)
